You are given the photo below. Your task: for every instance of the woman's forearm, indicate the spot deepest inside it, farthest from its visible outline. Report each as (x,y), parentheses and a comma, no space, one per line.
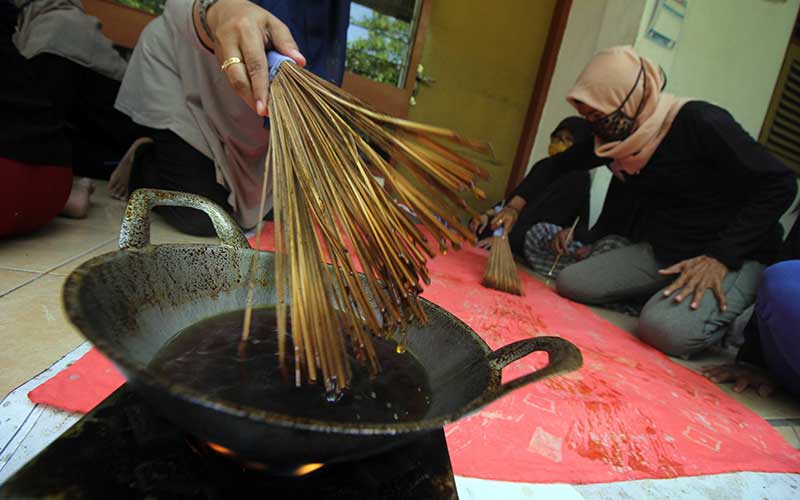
(517,202)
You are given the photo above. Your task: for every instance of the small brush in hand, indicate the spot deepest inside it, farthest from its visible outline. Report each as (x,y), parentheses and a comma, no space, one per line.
(501,271)
(551,272)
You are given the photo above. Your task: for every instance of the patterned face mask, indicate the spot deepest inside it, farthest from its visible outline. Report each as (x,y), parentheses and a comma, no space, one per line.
(617,126)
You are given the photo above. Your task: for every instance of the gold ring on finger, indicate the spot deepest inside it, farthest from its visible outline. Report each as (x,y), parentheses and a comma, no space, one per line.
(230,62)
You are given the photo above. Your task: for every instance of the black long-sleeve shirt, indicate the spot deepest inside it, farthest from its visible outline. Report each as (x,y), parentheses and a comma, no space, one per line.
(709,188)
(619,215)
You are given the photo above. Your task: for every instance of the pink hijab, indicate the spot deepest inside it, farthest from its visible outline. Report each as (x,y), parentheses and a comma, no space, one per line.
(603,85)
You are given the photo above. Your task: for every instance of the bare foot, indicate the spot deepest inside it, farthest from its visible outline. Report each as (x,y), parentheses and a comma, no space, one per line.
(121,176)
(79,200)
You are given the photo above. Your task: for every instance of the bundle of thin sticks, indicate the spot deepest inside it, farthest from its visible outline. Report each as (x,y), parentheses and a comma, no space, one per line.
(501,270)
(328,207)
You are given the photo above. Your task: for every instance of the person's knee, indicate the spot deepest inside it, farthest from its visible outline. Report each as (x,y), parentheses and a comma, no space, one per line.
(574,282)
(778,294)
(655,331)
(669,327)
(780,279)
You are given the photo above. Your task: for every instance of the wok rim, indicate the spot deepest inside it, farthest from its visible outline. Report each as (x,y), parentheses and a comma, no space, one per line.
(139,375)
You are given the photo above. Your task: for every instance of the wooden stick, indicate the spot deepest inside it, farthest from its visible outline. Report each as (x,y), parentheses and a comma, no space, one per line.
(569,240)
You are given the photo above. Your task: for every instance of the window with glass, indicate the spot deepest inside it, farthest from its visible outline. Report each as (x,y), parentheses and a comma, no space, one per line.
(380,38)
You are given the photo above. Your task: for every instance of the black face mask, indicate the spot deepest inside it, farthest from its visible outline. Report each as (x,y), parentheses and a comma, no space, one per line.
(617,126)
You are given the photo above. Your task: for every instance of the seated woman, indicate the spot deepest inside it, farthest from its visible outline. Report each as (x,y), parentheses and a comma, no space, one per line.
(56,111)
(545,241)
(709,201)
(770,355)
(198,81)
(558,203)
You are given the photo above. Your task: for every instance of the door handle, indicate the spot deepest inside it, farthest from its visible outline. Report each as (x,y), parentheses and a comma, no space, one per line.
(420,79)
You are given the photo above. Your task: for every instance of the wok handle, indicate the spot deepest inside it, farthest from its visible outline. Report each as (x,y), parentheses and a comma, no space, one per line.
(135,230)
(563,357)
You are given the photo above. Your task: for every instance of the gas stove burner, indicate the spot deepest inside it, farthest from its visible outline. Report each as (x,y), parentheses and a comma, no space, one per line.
(214,451)
(123,450)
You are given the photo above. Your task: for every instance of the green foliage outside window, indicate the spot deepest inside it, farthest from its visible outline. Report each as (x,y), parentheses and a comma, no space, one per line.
(381,54)
(151,6)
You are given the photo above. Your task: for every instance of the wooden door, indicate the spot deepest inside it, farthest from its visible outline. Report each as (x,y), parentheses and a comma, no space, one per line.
(485,58)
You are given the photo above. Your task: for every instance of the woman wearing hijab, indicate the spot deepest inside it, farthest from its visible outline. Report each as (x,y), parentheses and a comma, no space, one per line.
(557,203)
(710,198)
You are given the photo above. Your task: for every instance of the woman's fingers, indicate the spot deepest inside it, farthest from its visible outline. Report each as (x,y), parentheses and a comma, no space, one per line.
(496,221)
(742,383)
(699,292)
(742,376)
(505,222)
(236,73)
(484,220)
(557,244)
(478,224)
(676,285)
(280,38)
(246,31)
(505,219)
(255,59)
(237,77)
(554,244)
(720,294)
(692,286)
(563,245)
(714,372)
(765,389)
(674,269)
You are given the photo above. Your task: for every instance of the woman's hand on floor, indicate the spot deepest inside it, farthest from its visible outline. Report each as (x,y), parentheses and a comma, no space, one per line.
(244,30)
(695,277)
(742,375)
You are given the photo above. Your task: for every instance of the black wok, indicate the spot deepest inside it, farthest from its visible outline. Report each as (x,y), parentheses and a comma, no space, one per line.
(130,303)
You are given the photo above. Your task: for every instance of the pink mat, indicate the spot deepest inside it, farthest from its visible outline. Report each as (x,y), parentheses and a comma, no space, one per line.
(629,413)
(81,386)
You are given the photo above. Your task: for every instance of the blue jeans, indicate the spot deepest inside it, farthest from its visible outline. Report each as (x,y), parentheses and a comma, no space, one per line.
(778,315)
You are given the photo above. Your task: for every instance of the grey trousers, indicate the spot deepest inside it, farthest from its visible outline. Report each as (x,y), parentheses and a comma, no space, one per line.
(673,328)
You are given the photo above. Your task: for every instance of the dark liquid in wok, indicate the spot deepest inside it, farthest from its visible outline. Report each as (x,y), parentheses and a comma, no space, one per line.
(205,358)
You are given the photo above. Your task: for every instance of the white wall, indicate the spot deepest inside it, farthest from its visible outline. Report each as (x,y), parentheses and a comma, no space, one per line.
(730,53)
